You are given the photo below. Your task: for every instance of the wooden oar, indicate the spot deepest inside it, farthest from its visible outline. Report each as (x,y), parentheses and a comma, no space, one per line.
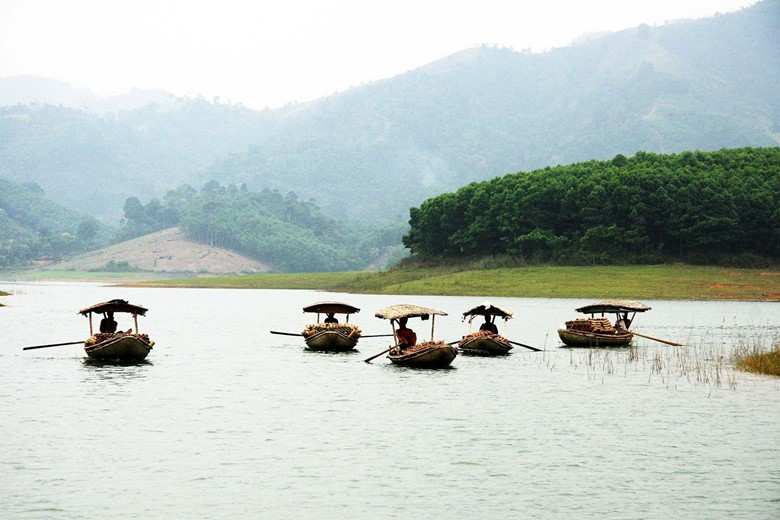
(376,356)
(286,333)
(53,345)
(655,339)
(377,336)
(524,345)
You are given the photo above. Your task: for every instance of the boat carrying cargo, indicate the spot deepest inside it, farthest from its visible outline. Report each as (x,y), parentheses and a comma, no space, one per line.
(486,341)
(328,334)
(600,332)
(130,345)
(428,354)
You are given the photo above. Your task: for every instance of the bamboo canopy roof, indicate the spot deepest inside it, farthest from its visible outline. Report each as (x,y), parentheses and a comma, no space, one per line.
(395,312)
(331,307)
(614,306)
(486,309)
(115,306)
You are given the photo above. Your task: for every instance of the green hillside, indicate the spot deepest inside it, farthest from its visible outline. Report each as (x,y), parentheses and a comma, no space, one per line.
(703,207)
(32,227)
(372,152)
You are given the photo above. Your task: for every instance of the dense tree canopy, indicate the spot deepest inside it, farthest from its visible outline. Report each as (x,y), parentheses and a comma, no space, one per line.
(32,227)
(280,230)
(700,207)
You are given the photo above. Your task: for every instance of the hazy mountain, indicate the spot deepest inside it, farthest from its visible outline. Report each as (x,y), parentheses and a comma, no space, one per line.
(29,90)
(704,85)
(374,151)
(94,163)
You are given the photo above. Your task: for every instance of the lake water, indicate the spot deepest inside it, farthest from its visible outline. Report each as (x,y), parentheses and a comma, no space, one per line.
(226,420)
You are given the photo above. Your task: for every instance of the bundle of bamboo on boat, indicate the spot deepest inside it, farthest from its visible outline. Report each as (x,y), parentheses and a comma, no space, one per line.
(100,337)
(487,334)
(347,329)
(597,325)
(422,346)
(484,334)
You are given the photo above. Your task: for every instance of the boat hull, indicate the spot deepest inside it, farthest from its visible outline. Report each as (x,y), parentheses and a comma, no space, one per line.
(426,355)
(578,338)
(331,341)
(126,347)
(483,344)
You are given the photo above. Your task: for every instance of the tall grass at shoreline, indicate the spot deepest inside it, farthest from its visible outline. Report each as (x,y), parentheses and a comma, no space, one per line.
(753,357)
(711,362)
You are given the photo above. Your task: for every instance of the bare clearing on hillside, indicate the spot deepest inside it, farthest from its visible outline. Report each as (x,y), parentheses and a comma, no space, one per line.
(167,251)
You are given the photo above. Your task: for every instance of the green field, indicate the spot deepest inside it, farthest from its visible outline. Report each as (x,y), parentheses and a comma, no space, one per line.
(670,282)
(32,275)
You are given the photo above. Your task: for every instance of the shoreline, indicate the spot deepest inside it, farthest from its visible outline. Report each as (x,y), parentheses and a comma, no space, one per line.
(661,282)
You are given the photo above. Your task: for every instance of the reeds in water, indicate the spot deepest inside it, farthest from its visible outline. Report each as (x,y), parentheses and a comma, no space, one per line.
(754,358)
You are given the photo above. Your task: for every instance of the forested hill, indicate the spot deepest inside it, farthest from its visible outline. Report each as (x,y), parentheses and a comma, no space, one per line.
(33,227)
(372,152)
(708,207)
(281,231)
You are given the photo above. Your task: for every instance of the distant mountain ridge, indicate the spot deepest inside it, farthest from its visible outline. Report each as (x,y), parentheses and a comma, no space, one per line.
(372,152)
(706,84)
(30,90)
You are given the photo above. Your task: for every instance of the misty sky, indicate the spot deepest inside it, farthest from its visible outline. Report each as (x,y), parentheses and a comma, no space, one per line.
(271,53)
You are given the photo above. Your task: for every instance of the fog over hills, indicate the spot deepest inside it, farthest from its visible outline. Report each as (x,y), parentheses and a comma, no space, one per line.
(372,152)
(31,90)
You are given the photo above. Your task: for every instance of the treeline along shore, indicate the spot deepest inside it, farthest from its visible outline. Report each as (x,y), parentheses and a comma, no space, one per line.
(712,208)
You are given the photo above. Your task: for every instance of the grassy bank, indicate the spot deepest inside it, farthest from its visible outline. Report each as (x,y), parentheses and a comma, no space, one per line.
(311,281)
(759,361)
(672,282)
(32,275)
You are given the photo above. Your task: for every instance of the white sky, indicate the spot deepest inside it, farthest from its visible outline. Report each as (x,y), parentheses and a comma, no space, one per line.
(263,53)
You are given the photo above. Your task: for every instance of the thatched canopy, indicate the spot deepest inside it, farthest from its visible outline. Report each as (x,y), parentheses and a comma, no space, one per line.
(331,307)
(486,309)
(395,312)
(614,306)
(114,306)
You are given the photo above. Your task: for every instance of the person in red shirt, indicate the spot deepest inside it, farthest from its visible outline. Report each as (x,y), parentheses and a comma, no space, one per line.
(405,336)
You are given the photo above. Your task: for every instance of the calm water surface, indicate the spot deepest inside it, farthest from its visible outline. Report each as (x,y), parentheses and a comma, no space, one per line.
(226,420)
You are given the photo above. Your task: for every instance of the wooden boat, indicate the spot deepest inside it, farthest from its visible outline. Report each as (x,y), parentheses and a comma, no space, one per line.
(599,332)
(331,337)
(429,354)
(126,346)
(485,342)
(577,338)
